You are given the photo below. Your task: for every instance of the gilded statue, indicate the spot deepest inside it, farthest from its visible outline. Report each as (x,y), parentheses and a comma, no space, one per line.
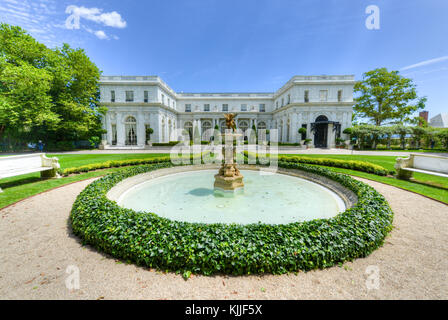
(230,120)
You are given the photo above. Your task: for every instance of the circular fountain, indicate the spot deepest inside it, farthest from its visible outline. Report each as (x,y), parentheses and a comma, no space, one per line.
(242,220)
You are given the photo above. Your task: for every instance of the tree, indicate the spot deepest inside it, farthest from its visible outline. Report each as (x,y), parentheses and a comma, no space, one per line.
(418,134)
(46,93)
(24,99)
(443,136)
(386,97)
(402,131)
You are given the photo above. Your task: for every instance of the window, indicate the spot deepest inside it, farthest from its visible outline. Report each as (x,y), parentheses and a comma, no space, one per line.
(145,96)
(163,99)
(129,96)
(289,98)
(276,105)
(283,102)
(262,107)
(112,96)
(323,95)
(206,107)
(188,108)
(244,107)
(114,134)
(168,102)
(340,96)
(307,96)
(225,107)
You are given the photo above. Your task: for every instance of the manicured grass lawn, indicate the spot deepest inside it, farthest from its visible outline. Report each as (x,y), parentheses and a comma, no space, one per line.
(20,187)
(17,188)
(409,150)
(428,185)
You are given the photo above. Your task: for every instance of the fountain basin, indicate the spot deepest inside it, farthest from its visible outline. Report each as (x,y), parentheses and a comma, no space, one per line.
(190,196)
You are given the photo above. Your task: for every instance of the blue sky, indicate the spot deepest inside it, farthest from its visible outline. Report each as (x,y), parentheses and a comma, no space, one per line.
(247,45)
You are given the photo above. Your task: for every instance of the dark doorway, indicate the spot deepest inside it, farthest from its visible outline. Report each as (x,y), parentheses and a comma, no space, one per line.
(321,132)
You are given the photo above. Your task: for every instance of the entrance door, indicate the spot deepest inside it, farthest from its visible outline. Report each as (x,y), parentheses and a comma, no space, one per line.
(321,132)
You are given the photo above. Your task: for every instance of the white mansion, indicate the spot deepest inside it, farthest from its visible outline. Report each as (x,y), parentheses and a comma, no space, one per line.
(321,104)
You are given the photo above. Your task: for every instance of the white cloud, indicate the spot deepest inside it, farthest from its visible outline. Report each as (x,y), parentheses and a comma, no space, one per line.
(37,17)
(109,19)
(425,63)
(101,35)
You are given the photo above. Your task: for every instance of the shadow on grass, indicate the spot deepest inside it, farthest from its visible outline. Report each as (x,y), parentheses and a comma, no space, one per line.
(429,184)
(19,182)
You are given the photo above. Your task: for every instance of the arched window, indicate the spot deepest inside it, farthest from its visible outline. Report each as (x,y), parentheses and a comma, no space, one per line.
(321,119)
(243,125)
(223,126)
(261,125)
(280,131)
(130,126)
(188,127)
(163,130)
(206,125)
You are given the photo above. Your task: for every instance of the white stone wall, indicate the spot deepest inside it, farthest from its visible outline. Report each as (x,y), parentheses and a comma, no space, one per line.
(164,117)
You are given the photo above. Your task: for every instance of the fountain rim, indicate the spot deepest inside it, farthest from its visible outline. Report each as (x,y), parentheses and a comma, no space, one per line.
(347,196)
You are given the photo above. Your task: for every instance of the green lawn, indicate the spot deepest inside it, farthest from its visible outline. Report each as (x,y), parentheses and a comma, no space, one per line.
(432,186)
(17,188)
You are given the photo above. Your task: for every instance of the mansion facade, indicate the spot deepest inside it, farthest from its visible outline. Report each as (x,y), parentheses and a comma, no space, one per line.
(320,104)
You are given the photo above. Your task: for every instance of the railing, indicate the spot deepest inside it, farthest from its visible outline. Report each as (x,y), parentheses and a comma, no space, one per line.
(245,95)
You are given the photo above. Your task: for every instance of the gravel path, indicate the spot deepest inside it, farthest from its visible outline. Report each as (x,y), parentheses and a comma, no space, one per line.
(37,247)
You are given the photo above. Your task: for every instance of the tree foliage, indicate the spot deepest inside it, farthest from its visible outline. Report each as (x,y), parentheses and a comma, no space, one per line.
(46,94)
(386,97)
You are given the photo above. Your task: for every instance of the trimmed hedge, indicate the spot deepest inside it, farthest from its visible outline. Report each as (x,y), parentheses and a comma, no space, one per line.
(338,163)
(156,242)
(112,164)
(120,163)
(165,144)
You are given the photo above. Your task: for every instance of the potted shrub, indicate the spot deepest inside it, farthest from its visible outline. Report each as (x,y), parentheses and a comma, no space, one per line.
(302,132)
(340,143)
(149,132)
(307,143)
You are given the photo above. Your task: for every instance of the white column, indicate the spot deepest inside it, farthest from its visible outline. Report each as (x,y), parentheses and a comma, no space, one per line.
(309,134)
(108,129)
(284,129)
(155,122)
(330,136)
(121,135)
(294,128)
(141,134)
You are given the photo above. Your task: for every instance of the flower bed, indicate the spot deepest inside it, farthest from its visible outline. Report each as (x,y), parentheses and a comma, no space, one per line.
(156,242)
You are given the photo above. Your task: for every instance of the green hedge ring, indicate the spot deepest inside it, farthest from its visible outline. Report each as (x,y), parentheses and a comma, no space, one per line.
(152,241)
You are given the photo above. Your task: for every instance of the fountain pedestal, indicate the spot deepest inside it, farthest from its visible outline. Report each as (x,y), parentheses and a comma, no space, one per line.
(229,180)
